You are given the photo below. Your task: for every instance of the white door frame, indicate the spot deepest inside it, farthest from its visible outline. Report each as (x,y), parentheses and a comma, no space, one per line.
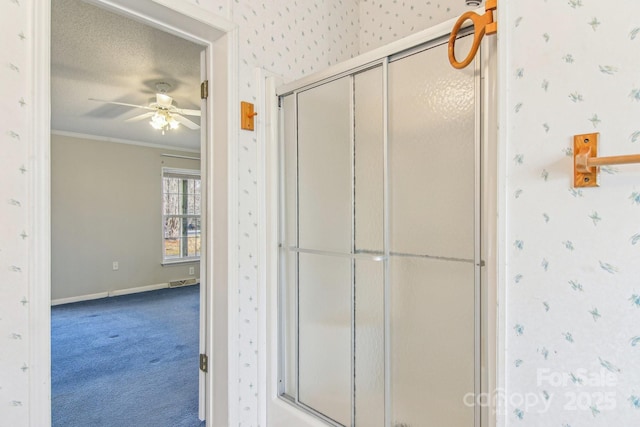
(219,37)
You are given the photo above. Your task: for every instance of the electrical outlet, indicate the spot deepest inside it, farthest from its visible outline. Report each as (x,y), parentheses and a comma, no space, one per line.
(115,265)
(192,271)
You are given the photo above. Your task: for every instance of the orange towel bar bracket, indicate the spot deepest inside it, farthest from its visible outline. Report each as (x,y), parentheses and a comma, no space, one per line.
(482,24)
(586,163)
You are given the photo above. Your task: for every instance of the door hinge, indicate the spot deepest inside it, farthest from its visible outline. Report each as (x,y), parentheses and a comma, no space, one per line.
(204,363)
(204,89)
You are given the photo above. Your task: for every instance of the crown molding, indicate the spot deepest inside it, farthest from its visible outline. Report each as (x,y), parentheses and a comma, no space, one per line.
(121,141)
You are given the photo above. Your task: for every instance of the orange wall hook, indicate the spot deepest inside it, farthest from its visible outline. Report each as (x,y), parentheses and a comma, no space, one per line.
(482,24)
(246,116)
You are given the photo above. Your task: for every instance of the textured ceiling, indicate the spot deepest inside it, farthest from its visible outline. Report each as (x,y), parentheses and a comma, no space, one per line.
(98,54)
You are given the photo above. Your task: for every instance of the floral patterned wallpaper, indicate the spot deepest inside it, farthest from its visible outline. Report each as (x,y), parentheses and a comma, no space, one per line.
(572,298)
(14,210)
(573,304)
(384,21)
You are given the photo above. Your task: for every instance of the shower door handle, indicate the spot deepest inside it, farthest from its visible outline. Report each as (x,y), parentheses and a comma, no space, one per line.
(482,24)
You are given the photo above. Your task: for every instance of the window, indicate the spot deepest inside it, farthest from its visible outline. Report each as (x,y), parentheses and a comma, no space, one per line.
(180,215)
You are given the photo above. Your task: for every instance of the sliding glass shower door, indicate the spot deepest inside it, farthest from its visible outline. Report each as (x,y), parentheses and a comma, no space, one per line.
(324,241)
(432,189)
(379,244)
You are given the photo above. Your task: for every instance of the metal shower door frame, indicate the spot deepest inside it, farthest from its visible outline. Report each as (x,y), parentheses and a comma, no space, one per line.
(294,89)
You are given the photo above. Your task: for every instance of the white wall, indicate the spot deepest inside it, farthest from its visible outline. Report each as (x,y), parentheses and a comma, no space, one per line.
(573,274)
(106,206)
(14,212)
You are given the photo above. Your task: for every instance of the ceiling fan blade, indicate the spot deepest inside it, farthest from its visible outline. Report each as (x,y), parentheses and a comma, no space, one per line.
(187,112)
(186,122)
(144,107)
(140,117)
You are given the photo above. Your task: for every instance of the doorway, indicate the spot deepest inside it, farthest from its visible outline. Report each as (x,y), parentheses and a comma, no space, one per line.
(218,37)
(126,210)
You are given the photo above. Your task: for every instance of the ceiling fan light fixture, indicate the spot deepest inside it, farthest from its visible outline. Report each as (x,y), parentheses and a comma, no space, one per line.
(158,121)
(163,114)
(164,101)
(163,120)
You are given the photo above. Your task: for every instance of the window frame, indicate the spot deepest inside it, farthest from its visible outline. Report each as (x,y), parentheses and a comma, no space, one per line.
(182,174)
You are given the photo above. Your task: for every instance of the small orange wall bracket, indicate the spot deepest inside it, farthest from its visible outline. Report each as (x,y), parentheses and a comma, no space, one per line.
(586,163)
(585,146)
(247,116)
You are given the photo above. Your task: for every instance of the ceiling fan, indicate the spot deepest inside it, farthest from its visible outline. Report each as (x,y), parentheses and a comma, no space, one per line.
(163,113)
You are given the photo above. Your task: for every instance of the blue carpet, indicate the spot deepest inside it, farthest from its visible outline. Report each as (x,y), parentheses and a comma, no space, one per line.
(126,361)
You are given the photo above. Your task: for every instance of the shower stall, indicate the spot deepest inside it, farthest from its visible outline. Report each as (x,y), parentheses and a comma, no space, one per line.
(380,293)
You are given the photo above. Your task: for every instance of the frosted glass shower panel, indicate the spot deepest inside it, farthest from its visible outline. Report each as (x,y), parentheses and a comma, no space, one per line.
(378,296)
(325,177)
(369,159)
(432,155)
(289,237)
(432,341)
(289,304)
(324,291)
(290,174)
(369,343)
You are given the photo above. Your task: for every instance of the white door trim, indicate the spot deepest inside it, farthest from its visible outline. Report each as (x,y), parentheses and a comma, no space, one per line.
(503,113)
(266,132)
(220,38)
(203,314)
(39,222)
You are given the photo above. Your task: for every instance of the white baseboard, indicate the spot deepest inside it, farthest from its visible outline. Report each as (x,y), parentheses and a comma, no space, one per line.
(147,288)
(89,297)
(114,293)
